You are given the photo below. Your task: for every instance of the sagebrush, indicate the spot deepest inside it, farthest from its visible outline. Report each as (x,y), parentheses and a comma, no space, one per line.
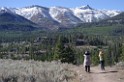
(35,71)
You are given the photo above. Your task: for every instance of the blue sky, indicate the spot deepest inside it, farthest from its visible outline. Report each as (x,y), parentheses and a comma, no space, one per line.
(97,4)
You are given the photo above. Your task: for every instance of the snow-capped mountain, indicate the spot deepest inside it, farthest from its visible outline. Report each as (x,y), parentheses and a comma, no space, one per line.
(65,16)
(55,17)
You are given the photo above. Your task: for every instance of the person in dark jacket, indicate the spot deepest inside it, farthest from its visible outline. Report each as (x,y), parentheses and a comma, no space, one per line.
(87,61)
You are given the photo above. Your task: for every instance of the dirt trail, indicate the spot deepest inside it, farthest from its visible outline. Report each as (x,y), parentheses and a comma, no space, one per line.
(111,74)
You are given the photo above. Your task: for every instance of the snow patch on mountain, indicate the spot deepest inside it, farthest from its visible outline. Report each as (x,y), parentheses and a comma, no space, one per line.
(63,15)
(5,10)
(29,12)
(111,13)
(88,14)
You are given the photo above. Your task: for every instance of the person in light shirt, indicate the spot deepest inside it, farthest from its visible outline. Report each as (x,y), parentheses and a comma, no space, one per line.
(101,58)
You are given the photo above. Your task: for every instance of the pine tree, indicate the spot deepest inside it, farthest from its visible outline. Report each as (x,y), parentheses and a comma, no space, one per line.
(95,57)
(64,52)
(108,57)
(122,53)
(68,55)
(58,49)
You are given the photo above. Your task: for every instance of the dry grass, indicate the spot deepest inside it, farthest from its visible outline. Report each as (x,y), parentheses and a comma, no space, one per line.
(35,71)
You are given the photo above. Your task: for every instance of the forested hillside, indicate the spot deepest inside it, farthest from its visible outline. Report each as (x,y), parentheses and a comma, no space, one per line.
(10,21)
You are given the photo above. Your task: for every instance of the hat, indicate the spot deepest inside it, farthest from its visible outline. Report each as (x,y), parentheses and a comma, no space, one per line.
(86,52)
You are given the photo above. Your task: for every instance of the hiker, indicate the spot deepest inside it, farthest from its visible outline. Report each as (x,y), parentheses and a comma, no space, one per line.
(87,61)
(101,58)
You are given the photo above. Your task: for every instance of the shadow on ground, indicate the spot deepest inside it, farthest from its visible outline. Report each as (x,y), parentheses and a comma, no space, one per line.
(103,72)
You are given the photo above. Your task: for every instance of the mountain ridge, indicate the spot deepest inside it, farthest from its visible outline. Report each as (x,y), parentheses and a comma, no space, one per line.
(57,16)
